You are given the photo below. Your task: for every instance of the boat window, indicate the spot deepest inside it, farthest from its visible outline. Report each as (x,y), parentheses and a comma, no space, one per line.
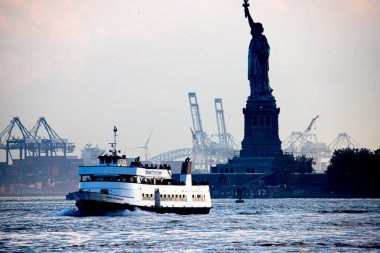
(85,178)
(199,197)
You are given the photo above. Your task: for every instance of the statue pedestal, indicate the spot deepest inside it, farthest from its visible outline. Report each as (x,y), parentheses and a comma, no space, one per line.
(261,143)
(261,137)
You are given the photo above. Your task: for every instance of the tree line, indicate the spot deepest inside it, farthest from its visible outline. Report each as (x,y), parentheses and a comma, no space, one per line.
(351,172)
(355,172)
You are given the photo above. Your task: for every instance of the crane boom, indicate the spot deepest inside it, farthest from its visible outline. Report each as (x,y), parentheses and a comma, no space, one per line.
(200,135)
(312,123)
(222,130)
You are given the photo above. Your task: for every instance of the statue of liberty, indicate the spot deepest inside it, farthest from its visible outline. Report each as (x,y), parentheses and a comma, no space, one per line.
(258,58)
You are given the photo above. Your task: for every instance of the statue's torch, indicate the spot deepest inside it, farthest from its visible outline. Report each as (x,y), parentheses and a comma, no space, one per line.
(245,5)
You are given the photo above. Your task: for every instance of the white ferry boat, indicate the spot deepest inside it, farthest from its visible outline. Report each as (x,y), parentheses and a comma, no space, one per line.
(114,185)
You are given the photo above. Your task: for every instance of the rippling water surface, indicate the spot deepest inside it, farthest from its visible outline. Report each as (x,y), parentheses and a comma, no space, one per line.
(258,225)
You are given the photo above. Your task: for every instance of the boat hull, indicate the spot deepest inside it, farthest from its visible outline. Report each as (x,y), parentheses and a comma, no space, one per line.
(99,204)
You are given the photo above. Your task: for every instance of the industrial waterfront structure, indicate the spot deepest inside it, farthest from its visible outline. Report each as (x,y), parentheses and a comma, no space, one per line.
(39,165)
(306,144)
(89,154)
(206,151)
(31,143)
(35,163)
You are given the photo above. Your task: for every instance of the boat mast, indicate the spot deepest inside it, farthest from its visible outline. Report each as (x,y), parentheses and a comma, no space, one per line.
(114,151)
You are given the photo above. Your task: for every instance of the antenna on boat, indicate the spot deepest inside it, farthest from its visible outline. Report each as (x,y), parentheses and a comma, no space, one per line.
(114,152)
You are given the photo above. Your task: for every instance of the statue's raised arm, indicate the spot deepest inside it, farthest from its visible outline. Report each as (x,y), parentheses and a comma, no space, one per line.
(247,14)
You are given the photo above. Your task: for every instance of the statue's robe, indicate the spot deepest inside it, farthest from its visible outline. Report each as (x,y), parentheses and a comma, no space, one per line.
(258,65)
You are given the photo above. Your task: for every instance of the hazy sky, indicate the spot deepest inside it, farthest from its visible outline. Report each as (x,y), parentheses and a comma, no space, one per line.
(89,65)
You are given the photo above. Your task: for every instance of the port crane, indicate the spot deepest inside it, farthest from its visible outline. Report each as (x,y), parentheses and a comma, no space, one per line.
(296,140)
(306,143)
(54,143)
(343,140)
(30,144)
(226,141)
(201,141)
(205,150)
(27,145)
(224,137)
(292,143)
(307,135)
(219,112)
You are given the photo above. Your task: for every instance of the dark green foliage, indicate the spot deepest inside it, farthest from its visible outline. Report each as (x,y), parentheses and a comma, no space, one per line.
(290,170)
(355,171)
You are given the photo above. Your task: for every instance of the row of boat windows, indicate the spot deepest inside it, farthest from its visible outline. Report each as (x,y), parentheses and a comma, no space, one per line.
(113,160)
(92,178)
(123,162)
(166,197)
(126,178)
(134,179)
(174,197)
(147,196)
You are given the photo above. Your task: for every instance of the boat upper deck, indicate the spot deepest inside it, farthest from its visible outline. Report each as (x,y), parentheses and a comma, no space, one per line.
(124,170)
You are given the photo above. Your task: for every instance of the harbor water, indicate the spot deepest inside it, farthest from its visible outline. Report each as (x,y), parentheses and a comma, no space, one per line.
(48,224)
